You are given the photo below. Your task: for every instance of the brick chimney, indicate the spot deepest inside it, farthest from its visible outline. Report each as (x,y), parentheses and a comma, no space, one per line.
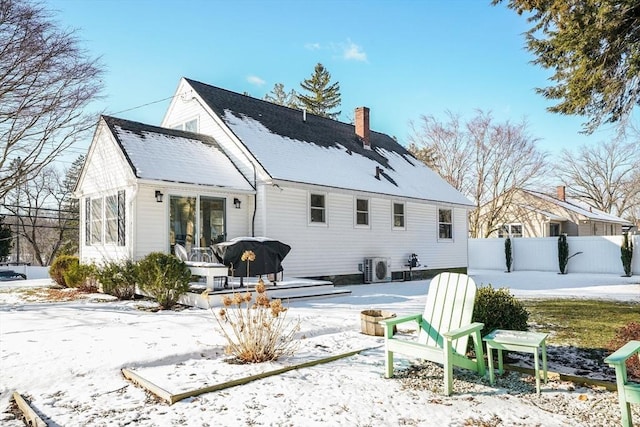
(561,193)
(362,125)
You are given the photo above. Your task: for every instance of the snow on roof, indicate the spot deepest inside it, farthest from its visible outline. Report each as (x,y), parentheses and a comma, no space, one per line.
(336,166)
(176,156)
(582,208)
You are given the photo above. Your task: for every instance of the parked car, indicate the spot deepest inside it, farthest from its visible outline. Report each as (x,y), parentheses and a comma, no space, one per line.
(6,275)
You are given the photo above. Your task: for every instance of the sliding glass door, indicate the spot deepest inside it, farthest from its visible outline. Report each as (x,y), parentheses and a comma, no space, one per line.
(196,221)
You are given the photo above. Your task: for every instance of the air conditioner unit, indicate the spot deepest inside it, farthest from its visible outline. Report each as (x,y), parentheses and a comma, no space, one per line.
(376,270)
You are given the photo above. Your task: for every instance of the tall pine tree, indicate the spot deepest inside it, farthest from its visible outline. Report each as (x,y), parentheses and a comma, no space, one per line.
(321,96)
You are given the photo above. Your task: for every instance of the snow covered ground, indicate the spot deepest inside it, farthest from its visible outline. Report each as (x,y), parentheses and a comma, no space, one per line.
(66,358)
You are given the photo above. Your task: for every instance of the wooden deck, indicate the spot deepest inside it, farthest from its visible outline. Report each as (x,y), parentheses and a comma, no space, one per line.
(287,289)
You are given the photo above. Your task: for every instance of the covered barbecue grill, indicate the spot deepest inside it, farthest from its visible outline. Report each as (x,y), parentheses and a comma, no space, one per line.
(269,255)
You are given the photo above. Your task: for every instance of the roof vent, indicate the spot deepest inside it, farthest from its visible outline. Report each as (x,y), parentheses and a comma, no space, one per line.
(304,114)
(378,172)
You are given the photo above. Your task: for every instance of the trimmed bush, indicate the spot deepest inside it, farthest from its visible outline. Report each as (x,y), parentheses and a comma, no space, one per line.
(508,253)
(498,309)
(59,266)
(626,254)
(119,279)
(563,253)
(81,276)
(629,332)
(164,277)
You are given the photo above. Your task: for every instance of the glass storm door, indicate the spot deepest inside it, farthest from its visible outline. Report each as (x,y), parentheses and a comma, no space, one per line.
(182,221)
(211,220)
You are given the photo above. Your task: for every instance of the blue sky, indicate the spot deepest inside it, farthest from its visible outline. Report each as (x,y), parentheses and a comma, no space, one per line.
(402,59)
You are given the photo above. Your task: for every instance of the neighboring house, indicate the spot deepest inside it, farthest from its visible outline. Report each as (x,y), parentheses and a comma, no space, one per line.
(534,214)
(228,165)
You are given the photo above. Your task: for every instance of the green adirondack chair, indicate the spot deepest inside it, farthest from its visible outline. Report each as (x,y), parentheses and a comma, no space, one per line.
(628,392)
(444,329)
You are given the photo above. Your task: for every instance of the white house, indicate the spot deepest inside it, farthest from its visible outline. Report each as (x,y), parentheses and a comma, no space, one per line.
(225,165)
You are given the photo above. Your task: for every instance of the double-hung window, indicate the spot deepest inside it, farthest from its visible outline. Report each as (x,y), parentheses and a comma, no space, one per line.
(96,221)
(317,209)
(362,212)
(111,219)
(398,215)
(445,224)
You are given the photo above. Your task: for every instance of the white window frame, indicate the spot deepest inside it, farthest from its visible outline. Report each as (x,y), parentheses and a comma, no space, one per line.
(183,125)
(310,209)
(506,230)
(403,216)
(358,212)
(450,224)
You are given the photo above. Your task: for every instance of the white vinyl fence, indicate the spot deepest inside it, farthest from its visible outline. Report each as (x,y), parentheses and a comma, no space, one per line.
(32,272)
(594,254)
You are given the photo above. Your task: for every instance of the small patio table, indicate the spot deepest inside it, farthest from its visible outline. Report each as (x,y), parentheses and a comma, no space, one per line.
(523,341)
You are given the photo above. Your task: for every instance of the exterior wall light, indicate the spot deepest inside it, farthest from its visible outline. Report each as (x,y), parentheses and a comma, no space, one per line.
(159,196)
(236,202)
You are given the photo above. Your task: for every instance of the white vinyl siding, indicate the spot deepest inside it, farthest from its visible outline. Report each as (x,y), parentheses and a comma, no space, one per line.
(338,248)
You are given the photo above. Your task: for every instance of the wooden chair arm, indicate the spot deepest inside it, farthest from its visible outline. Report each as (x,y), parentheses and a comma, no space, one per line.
(464,330)
(404,319)
(621,355)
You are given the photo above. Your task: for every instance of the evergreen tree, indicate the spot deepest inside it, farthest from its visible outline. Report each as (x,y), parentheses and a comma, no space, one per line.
(70,212)
(593,49)
(626,254)
(322,96)
(6,238)
(508,253)
(563,253)
(280,97)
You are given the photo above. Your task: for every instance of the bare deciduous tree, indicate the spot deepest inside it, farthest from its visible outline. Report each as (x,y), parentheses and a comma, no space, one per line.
(37,211)
(46,82)
(605,176)
(482,159)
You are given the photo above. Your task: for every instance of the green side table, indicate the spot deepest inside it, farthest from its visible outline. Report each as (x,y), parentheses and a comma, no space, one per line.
(523,341)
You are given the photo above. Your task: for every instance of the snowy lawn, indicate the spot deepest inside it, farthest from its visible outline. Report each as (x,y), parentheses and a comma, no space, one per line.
(66,358)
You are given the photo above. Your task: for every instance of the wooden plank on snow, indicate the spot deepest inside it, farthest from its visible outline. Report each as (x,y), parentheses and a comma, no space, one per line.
(30,415)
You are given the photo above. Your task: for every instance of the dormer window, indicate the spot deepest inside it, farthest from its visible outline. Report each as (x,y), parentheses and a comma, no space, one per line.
(189,125)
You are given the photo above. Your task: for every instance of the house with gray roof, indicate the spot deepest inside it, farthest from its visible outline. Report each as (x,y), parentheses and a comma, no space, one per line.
(352,203)
(536,214)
